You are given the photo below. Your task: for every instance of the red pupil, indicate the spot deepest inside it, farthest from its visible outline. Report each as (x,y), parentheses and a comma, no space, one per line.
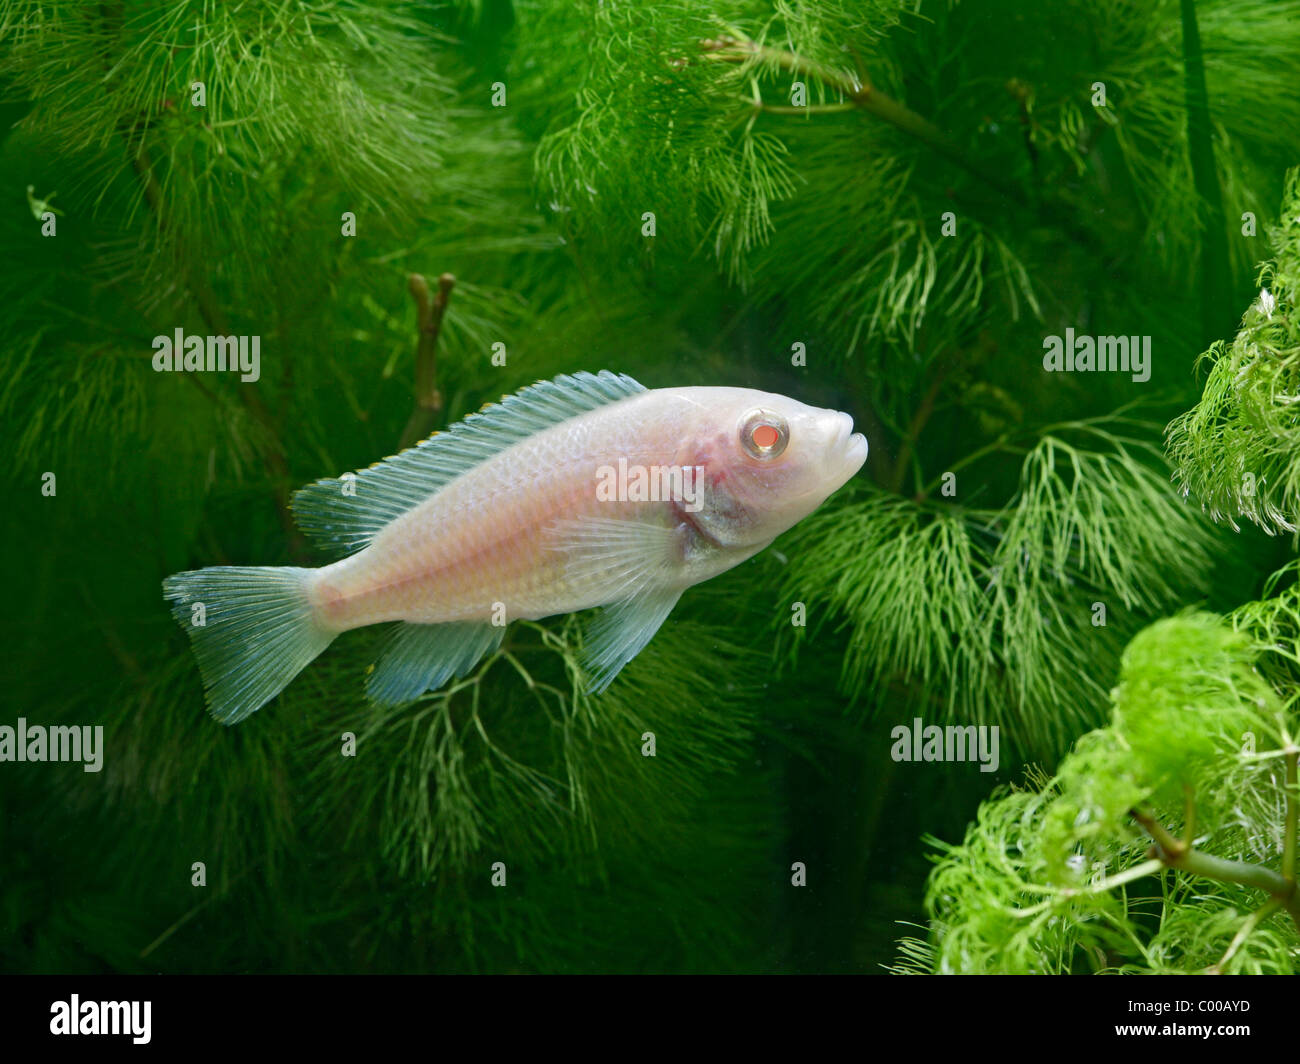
(765,437)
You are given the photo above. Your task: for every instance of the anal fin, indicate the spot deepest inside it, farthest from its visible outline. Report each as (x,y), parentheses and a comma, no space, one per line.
(423,657)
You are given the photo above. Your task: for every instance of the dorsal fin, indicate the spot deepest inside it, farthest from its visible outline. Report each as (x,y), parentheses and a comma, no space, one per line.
(345,522)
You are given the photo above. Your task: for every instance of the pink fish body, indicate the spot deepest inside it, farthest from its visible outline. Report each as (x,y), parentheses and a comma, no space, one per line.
(583,491)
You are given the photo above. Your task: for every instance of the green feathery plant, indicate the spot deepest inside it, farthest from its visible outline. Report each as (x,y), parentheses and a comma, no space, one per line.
(1165,842)
(912,193)
(1194,780)
(1236,451)
(1093,541)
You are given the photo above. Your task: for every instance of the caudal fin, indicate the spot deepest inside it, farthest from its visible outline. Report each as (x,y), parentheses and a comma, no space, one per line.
(255,631)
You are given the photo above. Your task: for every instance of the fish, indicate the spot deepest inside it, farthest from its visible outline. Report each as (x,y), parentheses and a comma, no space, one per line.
(588,490)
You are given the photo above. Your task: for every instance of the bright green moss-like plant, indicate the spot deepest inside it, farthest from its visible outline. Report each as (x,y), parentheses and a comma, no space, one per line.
(1165,842)
(1236,450)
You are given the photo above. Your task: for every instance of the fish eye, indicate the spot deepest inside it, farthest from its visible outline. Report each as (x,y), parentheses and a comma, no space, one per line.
(764,434)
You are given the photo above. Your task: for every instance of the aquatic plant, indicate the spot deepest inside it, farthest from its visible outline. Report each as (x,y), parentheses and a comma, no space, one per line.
(1166,841)
(885,206)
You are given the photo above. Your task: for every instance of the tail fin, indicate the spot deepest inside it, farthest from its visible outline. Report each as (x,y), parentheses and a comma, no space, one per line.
(255,631)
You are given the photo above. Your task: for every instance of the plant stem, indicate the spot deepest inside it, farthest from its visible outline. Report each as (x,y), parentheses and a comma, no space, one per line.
(428,400)
(919,419)
(812,109)
(1289,829)
(864,97)
(1119,879)
(1180,855)
(215,319)
(209,308)
(1172,849)
(1248,925)
(974,456)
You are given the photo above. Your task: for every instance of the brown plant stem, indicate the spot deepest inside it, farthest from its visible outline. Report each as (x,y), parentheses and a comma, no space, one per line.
(863,96)
(429,313)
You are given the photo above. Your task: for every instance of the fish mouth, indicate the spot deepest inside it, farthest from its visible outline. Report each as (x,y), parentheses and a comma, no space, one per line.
(850,446)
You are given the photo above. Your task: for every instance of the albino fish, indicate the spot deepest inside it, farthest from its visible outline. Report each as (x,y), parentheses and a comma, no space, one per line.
(583,491)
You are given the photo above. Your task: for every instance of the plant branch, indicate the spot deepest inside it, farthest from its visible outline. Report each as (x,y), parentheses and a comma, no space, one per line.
(429,314)
(1102,886)
(811,109)
(1119,879)
(1001,443)
(214,318)
(1248,925)
(919,419)
(863,96)
(1170,848)
(1288,839)
(1180,855)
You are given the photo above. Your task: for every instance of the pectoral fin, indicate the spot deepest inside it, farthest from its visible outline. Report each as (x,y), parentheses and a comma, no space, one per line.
(618,558)
(635,566)
(621,632)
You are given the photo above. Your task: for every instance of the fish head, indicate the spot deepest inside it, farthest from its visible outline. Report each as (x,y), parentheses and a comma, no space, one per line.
(766,462)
